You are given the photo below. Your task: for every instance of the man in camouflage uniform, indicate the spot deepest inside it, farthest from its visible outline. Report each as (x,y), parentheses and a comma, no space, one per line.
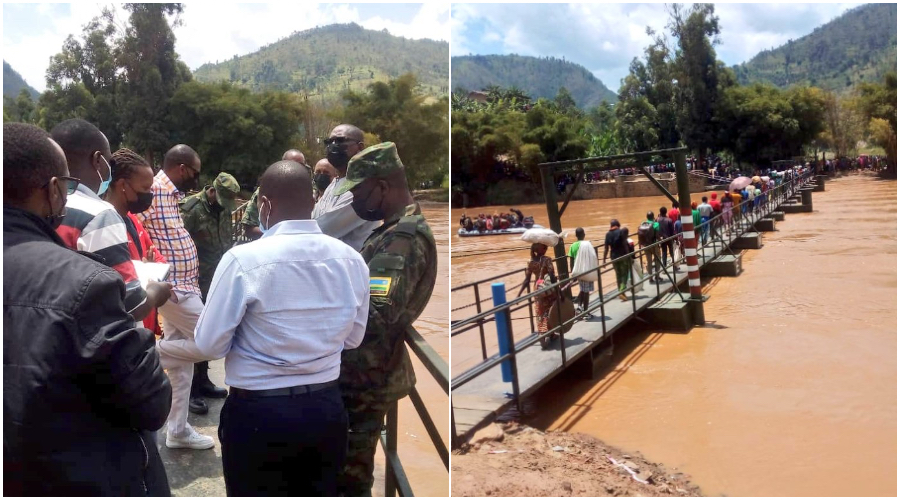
(250,220)
(402,260)
(207,217)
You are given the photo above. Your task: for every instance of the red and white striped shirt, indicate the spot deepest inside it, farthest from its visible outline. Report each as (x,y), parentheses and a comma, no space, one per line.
(163,223)
(93,225)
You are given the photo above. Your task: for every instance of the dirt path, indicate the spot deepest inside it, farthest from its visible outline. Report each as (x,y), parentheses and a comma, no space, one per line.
(515,460)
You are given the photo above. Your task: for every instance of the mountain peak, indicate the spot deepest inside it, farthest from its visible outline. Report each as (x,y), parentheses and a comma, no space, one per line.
(537,76)
(13,83)
(327,60)
(860,45)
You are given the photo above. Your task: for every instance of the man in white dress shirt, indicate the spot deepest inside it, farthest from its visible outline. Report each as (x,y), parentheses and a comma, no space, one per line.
(280,310)
(334,214)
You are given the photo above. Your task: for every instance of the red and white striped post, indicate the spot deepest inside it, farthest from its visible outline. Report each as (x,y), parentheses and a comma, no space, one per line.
(689,235)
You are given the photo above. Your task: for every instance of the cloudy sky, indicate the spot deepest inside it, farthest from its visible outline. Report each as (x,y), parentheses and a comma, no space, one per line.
(32,33)
(604,38)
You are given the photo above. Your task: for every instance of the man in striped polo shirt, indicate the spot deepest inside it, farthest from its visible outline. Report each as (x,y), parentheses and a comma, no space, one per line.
(163,223)
(93,225)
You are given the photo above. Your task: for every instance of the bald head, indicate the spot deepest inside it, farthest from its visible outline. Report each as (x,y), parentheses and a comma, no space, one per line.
(285,193)
(323,167)
(181,154)
(294,155)
(348,131)
(182,166)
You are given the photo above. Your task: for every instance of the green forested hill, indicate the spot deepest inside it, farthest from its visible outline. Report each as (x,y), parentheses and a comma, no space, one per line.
(330,59)
(13,83)
(538,77)
(860,45)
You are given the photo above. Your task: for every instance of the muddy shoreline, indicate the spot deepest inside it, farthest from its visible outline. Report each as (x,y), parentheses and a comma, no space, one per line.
(512,460)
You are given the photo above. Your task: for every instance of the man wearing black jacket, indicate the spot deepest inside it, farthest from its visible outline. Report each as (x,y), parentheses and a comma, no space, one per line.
(83,389)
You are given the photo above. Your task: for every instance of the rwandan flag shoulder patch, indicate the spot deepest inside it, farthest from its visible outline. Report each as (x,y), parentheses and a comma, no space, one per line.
(379,286)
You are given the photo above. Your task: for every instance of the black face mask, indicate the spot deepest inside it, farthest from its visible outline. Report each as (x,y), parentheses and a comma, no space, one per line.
(142,203)
(337,156)
(359,206)
(322,182)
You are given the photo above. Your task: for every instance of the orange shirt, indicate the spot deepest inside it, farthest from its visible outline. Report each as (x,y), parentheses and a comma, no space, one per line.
(737,201)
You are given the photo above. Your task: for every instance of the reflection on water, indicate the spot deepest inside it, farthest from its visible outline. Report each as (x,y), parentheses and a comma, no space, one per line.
(791,387)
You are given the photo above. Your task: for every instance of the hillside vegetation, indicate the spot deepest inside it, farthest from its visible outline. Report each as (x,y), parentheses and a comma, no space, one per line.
(537,76)
(859,46)
(329,60)
(13,83)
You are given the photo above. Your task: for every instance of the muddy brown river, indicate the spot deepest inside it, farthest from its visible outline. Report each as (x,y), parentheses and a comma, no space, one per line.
(427,475)
(791,387)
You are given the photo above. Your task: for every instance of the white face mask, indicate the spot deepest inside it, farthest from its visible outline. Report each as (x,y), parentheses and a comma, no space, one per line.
(265,227)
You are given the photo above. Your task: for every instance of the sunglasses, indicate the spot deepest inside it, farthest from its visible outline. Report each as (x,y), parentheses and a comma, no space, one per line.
(340,140)
(190,168)
(71,183)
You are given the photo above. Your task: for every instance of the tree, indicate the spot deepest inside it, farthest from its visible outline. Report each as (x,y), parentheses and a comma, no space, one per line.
(878,102)
(20,109)
(233,129)
(398,111)
(82,79)
(565,102)
(152,74)
(696,70)
(762,123)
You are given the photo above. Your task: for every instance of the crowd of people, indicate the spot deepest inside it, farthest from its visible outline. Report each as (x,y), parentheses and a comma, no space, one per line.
(310,315)
(499,221)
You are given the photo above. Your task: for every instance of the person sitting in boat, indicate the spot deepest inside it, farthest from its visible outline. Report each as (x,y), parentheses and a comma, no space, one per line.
(504,221)
(520,219)
(462,220)
(496,220)
(479,223)
(528,222)
(468,225)
(513,219)
(489,223)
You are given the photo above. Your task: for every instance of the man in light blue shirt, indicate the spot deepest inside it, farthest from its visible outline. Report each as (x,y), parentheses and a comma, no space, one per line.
(280,310)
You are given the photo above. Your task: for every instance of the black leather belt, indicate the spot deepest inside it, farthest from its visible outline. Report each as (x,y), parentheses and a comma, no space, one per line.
(284,391)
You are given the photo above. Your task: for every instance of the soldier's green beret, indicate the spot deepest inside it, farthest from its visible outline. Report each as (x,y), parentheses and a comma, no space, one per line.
(227,189)
(374,162)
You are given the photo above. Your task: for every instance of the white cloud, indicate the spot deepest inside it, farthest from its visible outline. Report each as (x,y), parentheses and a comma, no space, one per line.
(213,31)
(606,37)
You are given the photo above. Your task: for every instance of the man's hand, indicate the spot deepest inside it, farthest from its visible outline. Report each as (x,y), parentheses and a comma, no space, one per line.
(158,293)
(151,254)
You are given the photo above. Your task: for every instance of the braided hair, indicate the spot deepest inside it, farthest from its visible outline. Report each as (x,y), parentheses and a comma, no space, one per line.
(125,162)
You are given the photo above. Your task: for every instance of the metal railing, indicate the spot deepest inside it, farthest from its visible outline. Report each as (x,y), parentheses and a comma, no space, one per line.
(395,480)
(750,212)
(236,227)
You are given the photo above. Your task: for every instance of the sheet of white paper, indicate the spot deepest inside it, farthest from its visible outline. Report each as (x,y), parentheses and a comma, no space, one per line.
(150,271)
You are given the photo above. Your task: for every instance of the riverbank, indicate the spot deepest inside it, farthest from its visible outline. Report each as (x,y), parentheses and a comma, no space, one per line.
(510,192)
(515,460)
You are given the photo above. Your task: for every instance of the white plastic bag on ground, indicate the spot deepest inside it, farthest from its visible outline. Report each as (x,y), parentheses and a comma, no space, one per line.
(585,260)
(637,274)
(542,235)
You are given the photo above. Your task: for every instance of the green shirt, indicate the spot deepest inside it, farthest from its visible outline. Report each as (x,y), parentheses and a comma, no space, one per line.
(573,250)
(211,229)
(251,213)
